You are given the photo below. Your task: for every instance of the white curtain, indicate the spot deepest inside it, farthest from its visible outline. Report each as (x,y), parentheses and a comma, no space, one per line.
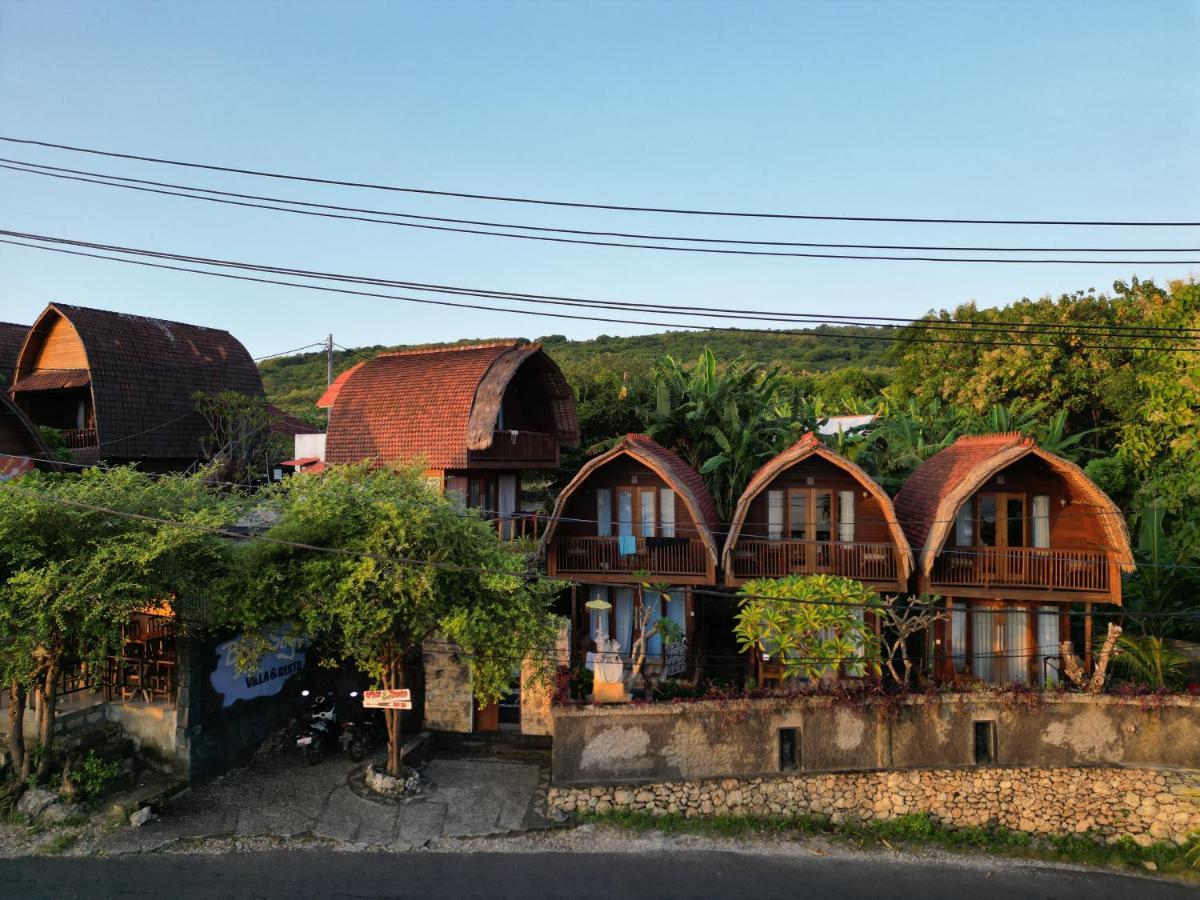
(507,504)
(647,513)
(958,638)
(456,492)
(1016,645)
(666,512)
(774,515)
(1041,520)
(982,653)
(603,512)
(846,516)
(1047,638)
(964,525)
(654,646)
(624,513)
(623,607)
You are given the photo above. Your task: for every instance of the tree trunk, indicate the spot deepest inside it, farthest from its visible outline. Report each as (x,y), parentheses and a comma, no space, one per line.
(48,700)
(393,679)
(16,730)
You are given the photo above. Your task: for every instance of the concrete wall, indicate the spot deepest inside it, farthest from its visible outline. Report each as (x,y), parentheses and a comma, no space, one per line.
(1145,805)
(596,745)
(151,727)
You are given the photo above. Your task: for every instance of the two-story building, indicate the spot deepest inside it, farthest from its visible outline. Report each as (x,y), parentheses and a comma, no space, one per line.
(1013,538)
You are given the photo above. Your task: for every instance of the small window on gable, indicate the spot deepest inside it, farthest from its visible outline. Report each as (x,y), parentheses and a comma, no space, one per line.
(985,743)
(789,749)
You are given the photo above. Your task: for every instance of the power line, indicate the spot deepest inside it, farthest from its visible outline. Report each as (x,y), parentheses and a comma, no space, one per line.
(620,244)
(109,180)
(581,205)
(559,315)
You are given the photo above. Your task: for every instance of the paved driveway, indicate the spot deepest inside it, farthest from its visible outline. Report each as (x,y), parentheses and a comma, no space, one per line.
(287,799)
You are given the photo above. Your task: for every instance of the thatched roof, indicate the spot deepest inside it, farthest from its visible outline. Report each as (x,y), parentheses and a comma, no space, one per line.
(806,447)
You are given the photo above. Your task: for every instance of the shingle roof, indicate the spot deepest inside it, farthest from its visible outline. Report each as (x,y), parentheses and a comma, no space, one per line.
(285,423)
(811,445)
(434,404)
(929,500)
(11,338)
(685,481)
(144,373)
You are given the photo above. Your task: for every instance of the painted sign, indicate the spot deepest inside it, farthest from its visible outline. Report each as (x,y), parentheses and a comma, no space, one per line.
(401,699)
(283,660)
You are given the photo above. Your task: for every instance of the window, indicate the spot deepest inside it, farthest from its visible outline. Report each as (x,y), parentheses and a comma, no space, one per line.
(622,601)
(789,749)
(1041,521)
(987,520)
(646,503)
(823,520)
(1016,645)
(1015,520)
(666,512)
(672,609)
(774,515)
(983,634)
(958,639)
(846,516)
(798,515)
(964,525)
(624,512)
(985,743)
(604,512)
(1047,644)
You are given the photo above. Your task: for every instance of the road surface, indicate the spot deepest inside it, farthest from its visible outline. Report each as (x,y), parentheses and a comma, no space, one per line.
(580,876)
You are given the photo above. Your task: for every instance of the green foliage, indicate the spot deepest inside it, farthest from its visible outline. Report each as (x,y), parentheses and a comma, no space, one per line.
(1111,474)
(1159,595)
(239,440)
(816,630)
(93,775)
(1147,660)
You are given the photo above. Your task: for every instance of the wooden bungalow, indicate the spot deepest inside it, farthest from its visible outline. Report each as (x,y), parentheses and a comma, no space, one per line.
(637,513)
(11,338)
(121,388)
(21,446)
(474,415)
(809,511)
(1012,537)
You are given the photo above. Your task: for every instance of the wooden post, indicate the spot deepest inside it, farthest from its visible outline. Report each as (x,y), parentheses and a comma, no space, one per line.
(1087,638)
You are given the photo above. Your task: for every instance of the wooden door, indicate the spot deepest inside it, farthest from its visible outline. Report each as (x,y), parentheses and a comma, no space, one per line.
(811,518)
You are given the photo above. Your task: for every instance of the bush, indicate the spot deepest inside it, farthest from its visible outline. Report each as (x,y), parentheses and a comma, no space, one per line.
(94,775)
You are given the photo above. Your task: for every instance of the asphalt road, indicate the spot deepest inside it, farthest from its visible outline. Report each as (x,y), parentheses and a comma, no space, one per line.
(580,876)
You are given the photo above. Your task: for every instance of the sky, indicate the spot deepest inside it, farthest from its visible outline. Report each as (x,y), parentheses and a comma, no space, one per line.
(1075,110)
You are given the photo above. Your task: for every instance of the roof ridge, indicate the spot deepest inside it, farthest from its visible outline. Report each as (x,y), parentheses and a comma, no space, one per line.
(1010,436)
(128,315)
(487,345)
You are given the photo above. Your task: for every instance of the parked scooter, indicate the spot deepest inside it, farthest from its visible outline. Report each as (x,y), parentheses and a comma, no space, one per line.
(322,717)
(361,733)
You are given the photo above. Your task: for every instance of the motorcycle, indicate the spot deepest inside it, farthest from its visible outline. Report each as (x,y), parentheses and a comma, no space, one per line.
(360,734)
(322,716)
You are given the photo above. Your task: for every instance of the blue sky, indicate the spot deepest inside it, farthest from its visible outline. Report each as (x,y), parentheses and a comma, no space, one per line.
(1010,110)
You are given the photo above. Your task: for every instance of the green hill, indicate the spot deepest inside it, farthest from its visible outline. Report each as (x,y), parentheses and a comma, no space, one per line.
(294,383)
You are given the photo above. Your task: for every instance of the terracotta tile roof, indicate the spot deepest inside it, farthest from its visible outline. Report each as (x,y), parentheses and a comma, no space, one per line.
(930,498)
(686,479)
(287,424)
(144,373)
(434,404)
(11,338)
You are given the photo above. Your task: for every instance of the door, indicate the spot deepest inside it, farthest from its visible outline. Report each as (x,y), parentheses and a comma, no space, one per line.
(811,520)
(1002,526)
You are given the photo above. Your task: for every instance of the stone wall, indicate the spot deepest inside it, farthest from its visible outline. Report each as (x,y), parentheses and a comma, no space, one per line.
(449,704)
(663,742)
(536,713)
(1147,805)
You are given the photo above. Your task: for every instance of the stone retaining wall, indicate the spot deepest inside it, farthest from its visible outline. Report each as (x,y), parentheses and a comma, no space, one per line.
(1145,804)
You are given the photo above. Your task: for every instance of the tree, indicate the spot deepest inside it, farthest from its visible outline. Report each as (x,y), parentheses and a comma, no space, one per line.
(813,624)
(650,622)
(402,567)
(239,443)
(901,621)
(79,555)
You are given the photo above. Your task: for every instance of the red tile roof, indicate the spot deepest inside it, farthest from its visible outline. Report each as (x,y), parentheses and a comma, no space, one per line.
(144,373)
(434,404)
(683,476)
(287,424)
(929,500)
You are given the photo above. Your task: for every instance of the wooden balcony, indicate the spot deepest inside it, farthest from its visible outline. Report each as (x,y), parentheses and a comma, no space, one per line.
(685,558)
(1025,568)
(518,526)
(872,563)
(78,438)
(521,448)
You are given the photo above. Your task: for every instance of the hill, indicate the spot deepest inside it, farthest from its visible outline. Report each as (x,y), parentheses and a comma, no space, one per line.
(294,383)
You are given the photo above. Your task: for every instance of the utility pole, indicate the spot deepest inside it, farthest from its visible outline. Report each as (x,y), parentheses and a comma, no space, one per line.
(328,370)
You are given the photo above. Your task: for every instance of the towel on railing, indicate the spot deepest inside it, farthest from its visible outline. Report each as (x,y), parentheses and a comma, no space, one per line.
(627,545)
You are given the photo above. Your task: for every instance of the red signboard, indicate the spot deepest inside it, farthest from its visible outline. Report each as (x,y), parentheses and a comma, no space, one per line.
(401,699)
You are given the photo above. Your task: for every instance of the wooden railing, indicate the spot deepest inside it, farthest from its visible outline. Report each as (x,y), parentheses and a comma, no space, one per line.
(599,555)
(521,446)
(518,526)
(774,559)
(78,438)
(1026,567)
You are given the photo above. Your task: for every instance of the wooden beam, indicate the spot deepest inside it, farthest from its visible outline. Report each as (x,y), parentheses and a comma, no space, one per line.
(1087,638)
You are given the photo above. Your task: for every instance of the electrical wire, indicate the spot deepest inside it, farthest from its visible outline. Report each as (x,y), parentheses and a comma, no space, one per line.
(620,244)
(110,180)
(541,313)
(580,205)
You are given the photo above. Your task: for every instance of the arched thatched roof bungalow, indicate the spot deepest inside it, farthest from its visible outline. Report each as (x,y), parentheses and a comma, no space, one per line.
(121,387)
(808,510)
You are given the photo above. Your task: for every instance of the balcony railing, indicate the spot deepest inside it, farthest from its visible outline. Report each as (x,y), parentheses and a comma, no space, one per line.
(519,447)
(1023,567)
(775,559)
(602,555)
(78,438)
(518,526)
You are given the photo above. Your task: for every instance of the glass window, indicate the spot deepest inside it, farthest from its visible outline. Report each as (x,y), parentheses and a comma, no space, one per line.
(1016,645)
(666,512)
(823,521)
(798,515)
(1047,648)
(983,633)
(1041,520)
(774,515)
(624,512)
(1015,520)
(846,516)
(622,602)
(604,512)
(987,520)
(964,525)
(648,517)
